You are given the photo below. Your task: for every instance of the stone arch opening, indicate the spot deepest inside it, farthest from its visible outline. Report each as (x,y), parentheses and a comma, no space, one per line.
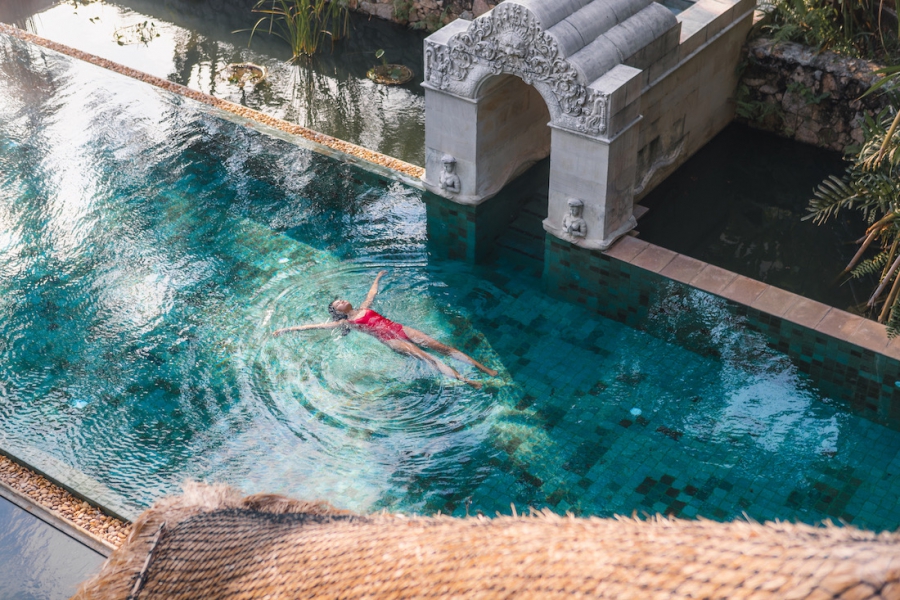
(493,85)
(513,130)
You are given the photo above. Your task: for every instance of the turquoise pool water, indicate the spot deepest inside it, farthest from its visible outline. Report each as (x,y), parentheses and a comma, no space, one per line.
(148,248)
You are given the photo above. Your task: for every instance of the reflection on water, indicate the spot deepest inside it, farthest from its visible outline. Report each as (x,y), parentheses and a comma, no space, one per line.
(328,92)
(152,248)
(37,562)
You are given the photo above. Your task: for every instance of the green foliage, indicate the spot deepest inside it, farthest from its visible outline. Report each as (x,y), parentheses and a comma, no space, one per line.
(870,266)
(858,28)
(303,24)
(754,110)
(871,185)
(402,9)
(808,95)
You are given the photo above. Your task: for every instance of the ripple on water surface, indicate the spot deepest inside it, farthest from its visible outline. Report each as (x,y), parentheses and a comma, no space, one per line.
(148,249)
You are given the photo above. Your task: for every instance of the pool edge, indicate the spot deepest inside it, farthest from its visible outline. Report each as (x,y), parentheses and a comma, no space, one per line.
(752,293)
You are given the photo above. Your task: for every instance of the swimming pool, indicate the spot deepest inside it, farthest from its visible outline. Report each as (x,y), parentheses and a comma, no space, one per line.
(148,247)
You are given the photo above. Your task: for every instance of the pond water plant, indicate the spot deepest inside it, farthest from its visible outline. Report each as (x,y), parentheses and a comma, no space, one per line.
(139,33)
(871,185)
(241,73)
(389,74)
(303,24)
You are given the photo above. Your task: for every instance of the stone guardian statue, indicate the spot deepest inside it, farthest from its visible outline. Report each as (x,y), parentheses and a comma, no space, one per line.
(449,179)
(573,223)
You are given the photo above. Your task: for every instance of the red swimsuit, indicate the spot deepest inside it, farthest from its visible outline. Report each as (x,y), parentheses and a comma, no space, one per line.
(382,328)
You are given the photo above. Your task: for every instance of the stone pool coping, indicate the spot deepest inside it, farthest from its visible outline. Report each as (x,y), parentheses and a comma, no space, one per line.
(769,299)
(376,162)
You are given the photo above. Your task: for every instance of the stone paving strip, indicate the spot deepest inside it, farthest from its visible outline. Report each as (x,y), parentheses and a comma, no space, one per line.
(248,113)
(791,307)
(62,503)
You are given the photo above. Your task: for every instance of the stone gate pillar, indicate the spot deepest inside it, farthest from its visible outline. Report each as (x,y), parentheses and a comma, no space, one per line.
(596,172)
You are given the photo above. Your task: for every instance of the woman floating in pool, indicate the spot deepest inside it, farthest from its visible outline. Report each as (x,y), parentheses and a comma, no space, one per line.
(399,338)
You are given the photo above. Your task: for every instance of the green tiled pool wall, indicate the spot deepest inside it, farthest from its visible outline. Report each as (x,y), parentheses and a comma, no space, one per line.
(868,382)
(451,228)
(469,233)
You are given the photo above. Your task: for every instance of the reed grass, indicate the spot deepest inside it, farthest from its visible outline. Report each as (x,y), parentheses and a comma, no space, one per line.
(304,24)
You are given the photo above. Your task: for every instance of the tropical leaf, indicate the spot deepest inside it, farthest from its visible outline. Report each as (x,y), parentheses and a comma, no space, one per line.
(871,266)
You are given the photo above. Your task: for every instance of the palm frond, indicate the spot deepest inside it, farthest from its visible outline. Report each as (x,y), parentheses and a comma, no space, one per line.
(870,266)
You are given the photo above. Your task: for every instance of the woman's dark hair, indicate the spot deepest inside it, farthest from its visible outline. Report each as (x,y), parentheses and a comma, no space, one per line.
(335,315)
(339,316)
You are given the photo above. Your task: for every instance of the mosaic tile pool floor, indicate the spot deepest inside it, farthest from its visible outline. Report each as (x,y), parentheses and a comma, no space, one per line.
(608,420)
(149,248)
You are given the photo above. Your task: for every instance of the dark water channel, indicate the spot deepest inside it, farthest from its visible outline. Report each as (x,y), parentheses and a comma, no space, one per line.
(738,204)
(328,92)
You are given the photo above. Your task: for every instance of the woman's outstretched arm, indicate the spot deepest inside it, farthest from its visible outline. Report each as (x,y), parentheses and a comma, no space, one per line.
(372,291)
(329,325)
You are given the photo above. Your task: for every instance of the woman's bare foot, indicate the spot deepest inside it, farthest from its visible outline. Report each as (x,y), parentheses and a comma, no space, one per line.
(478,365)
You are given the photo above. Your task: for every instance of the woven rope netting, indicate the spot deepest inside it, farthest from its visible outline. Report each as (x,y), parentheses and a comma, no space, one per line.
(211,543)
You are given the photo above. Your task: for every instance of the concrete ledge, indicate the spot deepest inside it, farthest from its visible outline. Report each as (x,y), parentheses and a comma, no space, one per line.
(707,20)
(751,293)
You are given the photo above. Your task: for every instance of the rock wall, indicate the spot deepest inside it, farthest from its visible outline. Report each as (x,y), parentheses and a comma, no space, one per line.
(793,92)
(423,14)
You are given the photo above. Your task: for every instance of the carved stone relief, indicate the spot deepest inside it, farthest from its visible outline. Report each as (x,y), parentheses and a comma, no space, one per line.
(449,179)
(510,40)
(573,223)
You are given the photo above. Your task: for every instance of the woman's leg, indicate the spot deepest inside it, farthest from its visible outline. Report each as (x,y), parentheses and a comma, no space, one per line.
(404,347)
(432,344)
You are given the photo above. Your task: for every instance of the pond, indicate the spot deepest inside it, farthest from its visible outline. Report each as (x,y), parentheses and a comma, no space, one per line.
(191,43)
(739,204)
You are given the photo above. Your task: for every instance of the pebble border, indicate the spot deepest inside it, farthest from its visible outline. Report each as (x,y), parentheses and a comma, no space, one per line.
(377,158)
(63,504)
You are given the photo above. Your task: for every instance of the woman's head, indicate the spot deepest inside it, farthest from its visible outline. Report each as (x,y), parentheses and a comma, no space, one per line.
(339,310)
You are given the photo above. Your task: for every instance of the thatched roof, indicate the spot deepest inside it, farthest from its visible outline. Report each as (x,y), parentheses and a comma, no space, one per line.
(216,544)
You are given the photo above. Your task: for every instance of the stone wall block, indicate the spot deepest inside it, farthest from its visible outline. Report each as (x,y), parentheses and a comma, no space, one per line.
(425,14)
(817,95)
(694,30)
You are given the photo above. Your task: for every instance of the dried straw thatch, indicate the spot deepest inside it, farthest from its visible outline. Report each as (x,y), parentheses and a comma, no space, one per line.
(215,544)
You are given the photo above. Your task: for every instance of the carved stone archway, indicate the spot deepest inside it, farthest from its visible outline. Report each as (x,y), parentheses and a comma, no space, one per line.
(574,61)
(510,40)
